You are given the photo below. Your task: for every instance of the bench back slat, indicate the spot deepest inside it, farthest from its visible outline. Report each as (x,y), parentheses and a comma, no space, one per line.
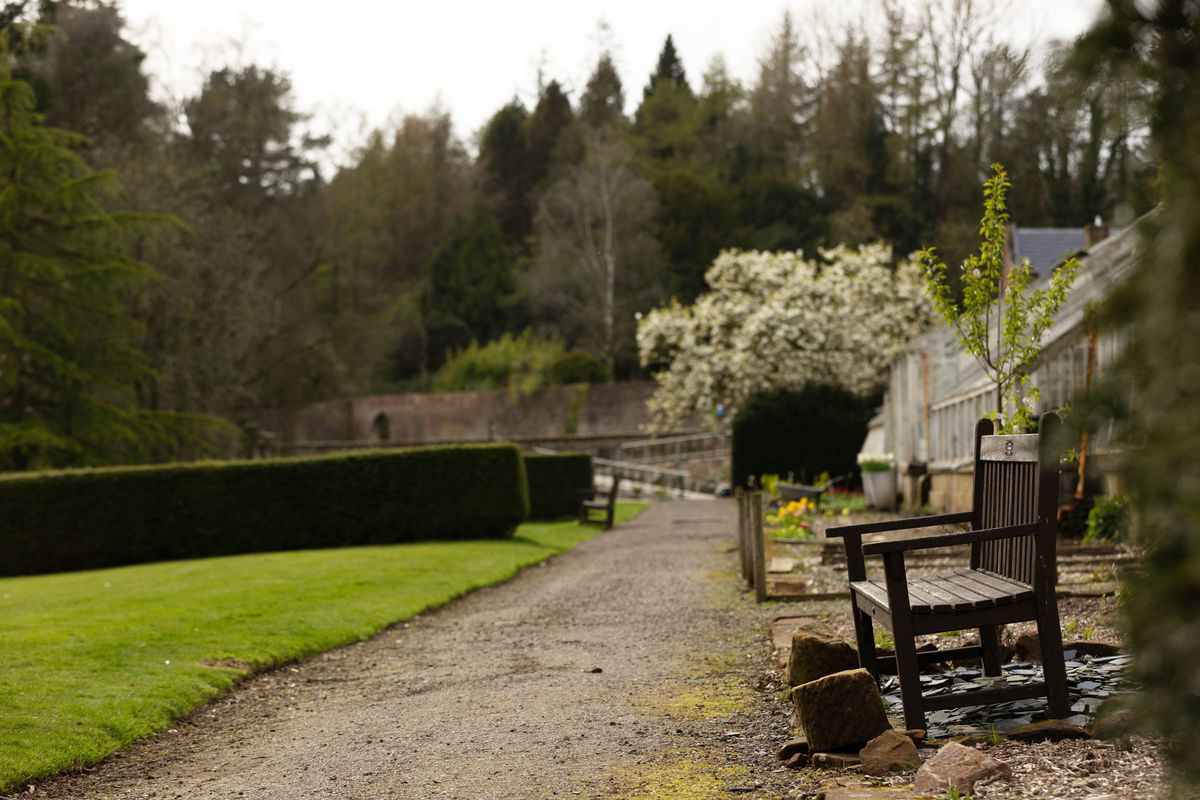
(1010,489)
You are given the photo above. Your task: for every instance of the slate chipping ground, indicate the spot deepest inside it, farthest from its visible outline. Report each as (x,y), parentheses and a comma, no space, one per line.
(631,667)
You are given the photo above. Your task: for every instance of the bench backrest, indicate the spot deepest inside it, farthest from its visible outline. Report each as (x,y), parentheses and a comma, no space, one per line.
(1016,482)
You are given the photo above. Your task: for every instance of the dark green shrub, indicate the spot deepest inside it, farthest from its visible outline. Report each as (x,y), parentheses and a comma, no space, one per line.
(99,518)
(1073,519)
(576,366)
(818,429)
(555,481)
(1108,519)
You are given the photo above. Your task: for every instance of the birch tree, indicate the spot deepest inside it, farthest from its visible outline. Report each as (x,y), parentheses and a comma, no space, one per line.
(596,261)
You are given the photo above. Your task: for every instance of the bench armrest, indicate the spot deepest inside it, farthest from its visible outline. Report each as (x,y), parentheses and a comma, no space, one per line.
(950,539)
(898,524)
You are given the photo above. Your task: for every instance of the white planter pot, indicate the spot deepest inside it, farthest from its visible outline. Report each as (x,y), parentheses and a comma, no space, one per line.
(879,489)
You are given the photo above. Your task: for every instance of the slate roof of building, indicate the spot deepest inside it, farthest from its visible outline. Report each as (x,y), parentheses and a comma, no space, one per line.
(1046,247)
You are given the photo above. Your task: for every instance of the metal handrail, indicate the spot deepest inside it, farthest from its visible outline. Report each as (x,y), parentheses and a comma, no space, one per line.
(677,449)
(659,475)
(683,437)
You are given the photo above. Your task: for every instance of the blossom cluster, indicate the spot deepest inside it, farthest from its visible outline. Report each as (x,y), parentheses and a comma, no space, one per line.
(780,320)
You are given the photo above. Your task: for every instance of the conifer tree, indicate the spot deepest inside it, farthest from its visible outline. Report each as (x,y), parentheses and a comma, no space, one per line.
(471,274)
(603,100)
(669,68)
(68,349)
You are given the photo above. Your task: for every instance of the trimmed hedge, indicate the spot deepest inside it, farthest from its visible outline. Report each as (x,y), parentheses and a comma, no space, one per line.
(87,519)
(818,429)
(555,481)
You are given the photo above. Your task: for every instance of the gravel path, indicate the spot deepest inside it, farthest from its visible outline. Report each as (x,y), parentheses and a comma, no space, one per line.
(601,673)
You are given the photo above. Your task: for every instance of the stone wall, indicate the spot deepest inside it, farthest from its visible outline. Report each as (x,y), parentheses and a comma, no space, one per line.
(403,419)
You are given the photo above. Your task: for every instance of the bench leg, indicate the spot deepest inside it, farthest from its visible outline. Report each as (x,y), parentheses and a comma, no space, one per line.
(1054,668)
(989,639)
(910,677)
(865,636)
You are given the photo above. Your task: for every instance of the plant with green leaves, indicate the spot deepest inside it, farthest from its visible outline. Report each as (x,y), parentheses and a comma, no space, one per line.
(883,638)
(1109,519)
(876,462)
(1000,320)
(994,736)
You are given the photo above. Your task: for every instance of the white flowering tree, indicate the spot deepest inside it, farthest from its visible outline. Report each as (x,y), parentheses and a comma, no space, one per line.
(780,320)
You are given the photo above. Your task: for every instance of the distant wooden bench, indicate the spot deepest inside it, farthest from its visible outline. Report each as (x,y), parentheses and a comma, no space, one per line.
(1010,578)
(592,500)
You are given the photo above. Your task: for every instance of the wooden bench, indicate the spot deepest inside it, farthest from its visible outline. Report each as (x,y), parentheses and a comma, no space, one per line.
(591,500)
(1010,577)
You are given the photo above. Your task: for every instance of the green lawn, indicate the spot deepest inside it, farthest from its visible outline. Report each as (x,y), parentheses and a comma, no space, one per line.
(90,661)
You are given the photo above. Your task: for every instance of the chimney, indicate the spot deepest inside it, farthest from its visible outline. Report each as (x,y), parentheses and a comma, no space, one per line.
(1095,233)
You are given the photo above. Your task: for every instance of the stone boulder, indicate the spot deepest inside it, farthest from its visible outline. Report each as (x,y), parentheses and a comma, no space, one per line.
(959,768)
(890,751)
(1047,730)
(817,651)
(790,748)
(841,709)
(1117,719)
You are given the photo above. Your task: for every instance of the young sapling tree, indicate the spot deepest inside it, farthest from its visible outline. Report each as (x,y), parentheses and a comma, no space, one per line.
(1000,320)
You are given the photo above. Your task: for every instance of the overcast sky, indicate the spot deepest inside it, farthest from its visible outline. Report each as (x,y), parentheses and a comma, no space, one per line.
(356,63)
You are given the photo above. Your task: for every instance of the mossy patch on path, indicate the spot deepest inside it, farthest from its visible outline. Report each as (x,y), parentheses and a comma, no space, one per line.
(681,776)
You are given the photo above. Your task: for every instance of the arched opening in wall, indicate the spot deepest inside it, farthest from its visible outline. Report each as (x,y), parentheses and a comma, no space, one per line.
(381,429)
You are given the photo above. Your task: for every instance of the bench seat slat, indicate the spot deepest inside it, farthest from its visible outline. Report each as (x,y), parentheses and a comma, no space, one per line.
(982,595)
(1016,590)
(873,591)
(970,583)
(944,602)
(958,590)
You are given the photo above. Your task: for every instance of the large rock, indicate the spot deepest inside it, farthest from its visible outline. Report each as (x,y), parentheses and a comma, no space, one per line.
(890,751)
(959,768)
(840,709)
(817,651)
(1116,719)
(1047,730)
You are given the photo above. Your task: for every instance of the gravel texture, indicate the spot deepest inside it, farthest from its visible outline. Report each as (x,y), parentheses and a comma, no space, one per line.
(635,666)
(574,679)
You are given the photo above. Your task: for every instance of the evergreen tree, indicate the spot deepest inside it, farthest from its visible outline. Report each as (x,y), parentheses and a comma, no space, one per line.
(249,157)
(669,69)
(506,173)
(384,218)
(550,135)
(603,99)
(471,275)
(88,78)
(244,126)
(781,105)
(68,348)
